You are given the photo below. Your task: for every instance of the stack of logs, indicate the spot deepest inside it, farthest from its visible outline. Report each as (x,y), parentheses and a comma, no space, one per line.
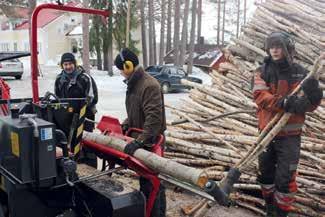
(204,138)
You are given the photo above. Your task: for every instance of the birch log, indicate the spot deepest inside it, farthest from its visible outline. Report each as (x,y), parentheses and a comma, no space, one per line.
(159,164)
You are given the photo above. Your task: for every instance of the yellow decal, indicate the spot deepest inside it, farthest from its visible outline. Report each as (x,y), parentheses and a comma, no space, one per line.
(15,143)
(2,183)
(82,112)
(80,129)
(77,149)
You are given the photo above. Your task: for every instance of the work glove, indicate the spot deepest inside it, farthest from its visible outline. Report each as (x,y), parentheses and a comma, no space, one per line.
(131,147)
(295,104)
(302,104)
(288,103)
(311,88)
(125,128)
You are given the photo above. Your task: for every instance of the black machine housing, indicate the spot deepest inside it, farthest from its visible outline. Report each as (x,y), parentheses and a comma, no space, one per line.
(31,172)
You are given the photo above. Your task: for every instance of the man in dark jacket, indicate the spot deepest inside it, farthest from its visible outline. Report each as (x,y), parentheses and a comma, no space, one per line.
(74,82)
(145,110)
(273,83)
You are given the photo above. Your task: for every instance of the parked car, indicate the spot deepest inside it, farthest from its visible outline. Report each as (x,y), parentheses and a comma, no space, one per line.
(13,67)
(170,77)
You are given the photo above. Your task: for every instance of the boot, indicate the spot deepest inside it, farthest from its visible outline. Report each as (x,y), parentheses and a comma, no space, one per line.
(270,210)
(281,212)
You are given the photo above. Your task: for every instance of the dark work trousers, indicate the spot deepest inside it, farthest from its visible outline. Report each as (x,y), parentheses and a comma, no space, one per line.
(87,156)
(159,207)
(277,166)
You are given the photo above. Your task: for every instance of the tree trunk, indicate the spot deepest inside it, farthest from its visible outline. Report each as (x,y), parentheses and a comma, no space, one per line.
(97,45)
(85,38)
(105,48)
(31,7)
(199,21)
(176,32)
(184,33)
(191,50)
(238,16)
(159,164)
(128,21)
(245,10)
(223,22)
(151,31)
(169,27)
(219,17)
(143,34)
(154,43)
(110,40)
(162,32)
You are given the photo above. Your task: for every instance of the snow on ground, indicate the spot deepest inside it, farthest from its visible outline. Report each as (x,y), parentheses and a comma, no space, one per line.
(111,89)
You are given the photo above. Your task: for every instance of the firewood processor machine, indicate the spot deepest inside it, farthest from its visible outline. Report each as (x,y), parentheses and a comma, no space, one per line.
(38,166)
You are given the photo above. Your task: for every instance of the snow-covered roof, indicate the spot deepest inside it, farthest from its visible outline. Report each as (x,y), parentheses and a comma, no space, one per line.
(204,55)
(75,31)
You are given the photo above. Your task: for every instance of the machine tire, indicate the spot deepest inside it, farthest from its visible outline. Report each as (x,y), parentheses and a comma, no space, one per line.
(18,77)
(165,87)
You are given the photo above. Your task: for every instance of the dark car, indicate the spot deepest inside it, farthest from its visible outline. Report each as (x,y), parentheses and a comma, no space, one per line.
(170,77)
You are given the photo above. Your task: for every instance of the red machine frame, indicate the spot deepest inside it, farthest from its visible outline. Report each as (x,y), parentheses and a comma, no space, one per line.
(34,59)
(127,160)
(111,126)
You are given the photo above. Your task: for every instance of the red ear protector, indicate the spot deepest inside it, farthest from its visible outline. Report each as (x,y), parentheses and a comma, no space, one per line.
(128,66)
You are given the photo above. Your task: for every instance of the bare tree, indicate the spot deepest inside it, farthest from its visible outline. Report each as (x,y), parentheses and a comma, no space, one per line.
(238,16)
(245,10)
(223,22)
(143,33)
(192,38)
(128,21)
(151,31)
(110,40)
(176,32)
(154,43)
(31,7)
(184,33)
(85,38)
(199,21)
(219,18)
(169,27)
(162,32)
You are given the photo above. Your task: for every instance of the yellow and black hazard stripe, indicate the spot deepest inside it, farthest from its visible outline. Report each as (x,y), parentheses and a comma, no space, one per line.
(78,131)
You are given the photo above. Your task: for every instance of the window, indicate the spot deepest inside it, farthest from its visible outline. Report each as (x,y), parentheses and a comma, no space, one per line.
(4,46)
(180,72)
(172,71)
(15,46)
(39,47)
(26,46)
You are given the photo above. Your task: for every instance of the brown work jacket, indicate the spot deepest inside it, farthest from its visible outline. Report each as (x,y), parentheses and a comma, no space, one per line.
(145,106)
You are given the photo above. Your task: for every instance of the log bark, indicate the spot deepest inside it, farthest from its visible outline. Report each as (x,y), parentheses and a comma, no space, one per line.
(159,164)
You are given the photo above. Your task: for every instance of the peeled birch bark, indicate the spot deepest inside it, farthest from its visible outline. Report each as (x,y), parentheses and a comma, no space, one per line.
(159,164)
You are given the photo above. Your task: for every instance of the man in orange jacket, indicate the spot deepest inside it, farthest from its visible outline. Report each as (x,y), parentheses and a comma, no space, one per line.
(273,83)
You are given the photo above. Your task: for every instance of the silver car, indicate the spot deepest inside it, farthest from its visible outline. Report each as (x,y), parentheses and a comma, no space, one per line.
(12,67)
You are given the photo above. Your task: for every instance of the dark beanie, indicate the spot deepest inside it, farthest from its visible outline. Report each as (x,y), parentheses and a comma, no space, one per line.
(68,57)
(127,55)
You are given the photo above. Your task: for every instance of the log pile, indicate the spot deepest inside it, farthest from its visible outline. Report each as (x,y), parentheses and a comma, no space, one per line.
(217,125)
